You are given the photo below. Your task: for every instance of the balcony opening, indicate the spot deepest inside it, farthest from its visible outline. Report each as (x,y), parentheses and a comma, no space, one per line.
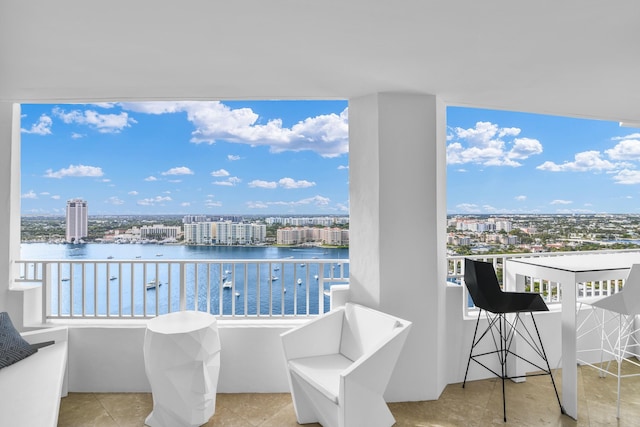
(136,209)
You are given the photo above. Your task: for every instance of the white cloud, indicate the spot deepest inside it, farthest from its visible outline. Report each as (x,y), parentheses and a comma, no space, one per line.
(212,204)
(220,172)
(561,202)
(488,145)
(105,180)
(233,158)
(627,149)
(185,204)
(257,205)
(627,176)
(132,193)
(521,198)
(115,201)
(76,135)
(230,182)
(30,195)
(75,171)
(151,178)
(181,170)
(256,183)
(341,167)
(583,162)
(55,197)
(468,208)
(103,123)
(290,183)
(327,134)
(154,201)
(41,127)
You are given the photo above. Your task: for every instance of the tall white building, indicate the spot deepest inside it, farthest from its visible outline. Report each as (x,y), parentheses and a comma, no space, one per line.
(77,220)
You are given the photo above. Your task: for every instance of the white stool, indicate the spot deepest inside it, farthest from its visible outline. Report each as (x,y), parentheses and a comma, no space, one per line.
(614,318)
(182,362)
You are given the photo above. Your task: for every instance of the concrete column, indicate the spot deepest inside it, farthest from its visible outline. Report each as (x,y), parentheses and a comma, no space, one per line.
(397,249)
(9,207)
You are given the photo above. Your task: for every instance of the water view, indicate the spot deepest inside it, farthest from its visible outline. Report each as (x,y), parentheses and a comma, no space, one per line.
(144,280)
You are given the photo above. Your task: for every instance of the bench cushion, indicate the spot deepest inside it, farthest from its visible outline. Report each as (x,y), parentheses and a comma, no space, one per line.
(13,348)
(322,372)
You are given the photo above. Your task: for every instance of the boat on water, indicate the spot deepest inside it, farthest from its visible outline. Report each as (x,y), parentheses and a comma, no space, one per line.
(112,278)
(227,284)
(276,268)
(299,281)
(65,279)
(303,265)
(227,272)
(151,284)
(316,277)
(110,257)
(158,254)
(274,278)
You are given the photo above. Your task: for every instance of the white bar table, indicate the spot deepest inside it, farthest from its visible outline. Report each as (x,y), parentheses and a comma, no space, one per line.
(569,270)
(182,362)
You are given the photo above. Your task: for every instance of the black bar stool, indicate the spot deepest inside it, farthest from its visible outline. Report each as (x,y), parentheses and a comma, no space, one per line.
(484,288)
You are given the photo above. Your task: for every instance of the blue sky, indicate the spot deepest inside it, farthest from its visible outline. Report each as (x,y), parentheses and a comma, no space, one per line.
(276,157)
(291,157)
(507,162)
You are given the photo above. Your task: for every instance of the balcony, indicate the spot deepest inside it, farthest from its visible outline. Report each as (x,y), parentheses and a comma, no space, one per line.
(256,300)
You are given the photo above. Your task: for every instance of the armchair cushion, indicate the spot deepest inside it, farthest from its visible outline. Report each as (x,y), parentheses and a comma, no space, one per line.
(13,348)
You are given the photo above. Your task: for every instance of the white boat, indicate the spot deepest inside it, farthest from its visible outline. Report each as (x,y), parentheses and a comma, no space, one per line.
(227,284)
(276,268)
(274,278)
(303,265)
(237,294)
(151,284)
(299,281)
(227,272)
(316,277)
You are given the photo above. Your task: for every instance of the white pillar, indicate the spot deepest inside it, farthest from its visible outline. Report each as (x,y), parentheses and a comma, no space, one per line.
(397,251)
(9,207)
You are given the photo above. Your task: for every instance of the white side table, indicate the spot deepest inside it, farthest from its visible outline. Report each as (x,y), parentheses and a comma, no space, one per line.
(182,362)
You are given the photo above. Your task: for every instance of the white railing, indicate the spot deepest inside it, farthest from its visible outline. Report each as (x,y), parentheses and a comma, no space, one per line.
(105,289)
(551,292)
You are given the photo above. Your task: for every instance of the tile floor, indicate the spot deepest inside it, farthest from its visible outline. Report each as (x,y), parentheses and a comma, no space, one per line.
(531,403)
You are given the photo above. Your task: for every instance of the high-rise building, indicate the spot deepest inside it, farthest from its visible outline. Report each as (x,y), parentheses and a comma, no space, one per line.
(77,220)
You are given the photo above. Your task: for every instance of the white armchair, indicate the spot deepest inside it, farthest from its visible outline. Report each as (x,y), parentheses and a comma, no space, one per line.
(340,364)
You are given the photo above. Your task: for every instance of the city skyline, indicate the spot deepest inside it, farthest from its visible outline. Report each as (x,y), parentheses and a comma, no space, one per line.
(291,157)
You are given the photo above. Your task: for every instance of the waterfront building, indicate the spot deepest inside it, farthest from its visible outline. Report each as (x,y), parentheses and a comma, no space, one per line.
(77,223)
(159,232)
(300,235)
(199,233)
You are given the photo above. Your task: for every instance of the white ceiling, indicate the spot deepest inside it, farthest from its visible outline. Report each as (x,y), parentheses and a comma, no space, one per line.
(567,57)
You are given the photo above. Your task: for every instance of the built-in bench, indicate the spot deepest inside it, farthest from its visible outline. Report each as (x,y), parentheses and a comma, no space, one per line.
(30,390)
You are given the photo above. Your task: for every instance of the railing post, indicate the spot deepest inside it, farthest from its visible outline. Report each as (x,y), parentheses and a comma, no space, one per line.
(46,289)
(183,288)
